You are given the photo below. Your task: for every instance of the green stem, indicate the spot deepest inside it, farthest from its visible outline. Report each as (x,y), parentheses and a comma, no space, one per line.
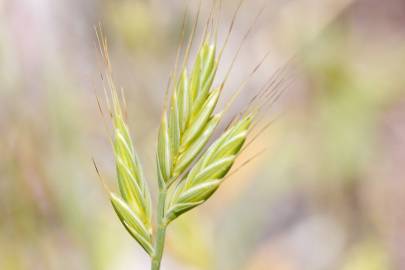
(161,230)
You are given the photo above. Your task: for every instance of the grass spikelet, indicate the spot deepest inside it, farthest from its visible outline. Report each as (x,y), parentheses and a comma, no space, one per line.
(131,181)
(189,121)
(207,174)
(133,204)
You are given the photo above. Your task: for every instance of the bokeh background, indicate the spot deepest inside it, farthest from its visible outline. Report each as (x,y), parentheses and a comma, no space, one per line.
(328,193)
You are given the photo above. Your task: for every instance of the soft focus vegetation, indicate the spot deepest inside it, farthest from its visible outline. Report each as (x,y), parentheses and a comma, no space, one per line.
(328,193)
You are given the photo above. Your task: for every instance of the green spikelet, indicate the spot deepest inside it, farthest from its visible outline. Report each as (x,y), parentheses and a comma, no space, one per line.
(189,122)
(134,206)
(209,171)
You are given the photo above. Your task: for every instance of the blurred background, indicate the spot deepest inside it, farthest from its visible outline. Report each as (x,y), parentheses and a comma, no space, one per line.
(328,193)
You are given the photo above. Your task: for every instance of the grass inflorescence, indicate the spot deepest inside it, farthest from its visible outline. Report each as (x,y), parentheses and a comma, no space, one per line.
(191,164)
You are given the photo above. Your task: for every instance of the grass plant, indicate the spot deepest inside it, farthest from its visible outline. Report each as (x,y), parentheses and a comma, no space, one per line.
(191,164)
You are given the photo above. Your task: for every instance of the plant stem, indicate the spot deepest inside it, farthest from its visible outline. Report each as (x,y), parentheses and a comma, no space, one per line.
(161,230)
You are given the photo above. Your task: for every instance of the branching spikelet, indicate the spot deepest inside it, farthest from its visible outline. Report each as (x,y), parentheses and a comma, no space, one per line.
(133,204)
(134,209)
(131,180)
(189,122)
(209,171)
